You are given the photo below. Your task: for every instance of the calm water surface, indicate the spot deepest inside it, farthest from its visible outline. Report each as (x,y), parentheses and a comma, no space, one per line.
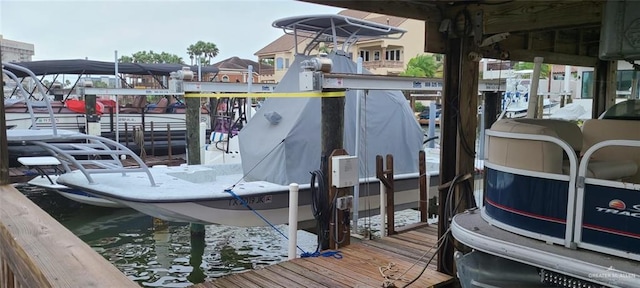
(164,254)
(156,253)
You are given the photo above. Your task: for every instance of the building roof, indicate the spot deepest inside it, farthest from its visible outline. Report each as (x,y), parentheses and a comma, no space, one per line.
(354,13)
(236,63)
(282,44)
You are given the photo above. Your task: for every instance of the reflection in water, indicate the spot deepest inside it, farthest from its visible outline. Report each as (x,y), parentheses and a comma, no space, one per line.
(156,253)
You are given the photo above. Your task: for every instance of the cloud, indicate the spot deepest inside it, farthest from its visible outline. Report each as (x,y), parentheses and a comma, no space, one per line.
(95,29)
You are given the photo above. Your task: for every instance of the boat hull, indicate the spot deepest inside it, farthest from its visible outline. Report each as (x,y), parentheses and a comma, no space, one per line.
(73,194)
(188,194)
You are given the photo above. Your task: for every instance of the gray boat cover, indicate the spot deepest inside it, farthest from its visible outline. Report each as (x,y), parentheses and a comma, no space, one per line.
(390,128)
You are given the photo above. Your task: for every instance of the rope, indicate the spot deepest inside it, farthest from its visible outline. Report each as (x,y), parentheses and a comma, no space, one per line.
(389,280)
(304,254)
(254,167)
(259,215)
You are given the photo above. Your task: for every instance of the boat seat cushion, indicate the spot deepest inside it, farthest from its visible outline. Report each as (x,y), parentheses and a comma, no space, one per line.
(565,130)
(598,130)
(608,170)
(532,155)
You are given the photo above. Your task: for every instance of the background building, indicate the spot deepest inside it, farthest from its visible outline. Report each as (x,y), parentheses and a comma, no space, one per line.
(380,56)
(16,51)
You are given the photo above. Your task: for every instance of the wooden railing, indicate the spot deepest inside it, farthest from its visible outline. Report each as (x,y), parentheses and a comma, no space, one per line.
(37,251)
(383,64)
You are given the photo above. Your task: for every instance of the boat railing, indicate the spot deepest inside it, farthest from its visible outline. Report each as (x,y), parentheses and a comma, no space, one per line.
(86,156)
(27,100)
(570,179)
(607,210)
(602,200)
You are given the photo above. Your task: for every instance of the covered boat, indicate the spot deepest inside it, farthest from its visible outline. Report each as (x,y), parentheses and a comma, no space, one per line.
(280,145)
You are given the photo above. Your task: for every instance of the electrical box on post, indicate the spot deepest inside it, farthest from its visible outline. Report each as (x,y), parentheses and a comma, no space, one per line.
(344,171)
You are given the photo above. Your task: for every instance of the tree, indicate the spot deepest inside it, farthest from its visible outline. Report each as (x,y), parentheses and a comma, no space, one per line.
(421,66)
(151,57)
(204,51)
(544,69)
(126,59)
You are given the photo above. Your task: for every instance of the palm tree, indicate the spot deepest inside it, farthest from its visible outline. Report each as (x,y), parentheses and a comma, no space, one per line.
(201,49)
(191,52)
(210,51)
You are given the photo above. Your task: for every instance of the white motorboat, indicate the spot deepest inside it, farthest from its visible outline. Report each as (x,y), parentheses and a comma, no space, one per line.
(279,146)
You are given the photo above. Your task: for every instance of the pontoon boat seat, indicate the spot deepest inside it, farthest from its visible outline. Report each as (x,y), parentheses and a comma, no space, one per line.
(160,107)
(136,107)
(615,162)
(533,155)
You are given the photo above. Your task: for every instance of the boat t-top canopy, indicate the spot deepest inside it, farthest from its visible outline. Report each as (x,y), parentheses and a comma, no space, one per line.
(330,27)
(81,66)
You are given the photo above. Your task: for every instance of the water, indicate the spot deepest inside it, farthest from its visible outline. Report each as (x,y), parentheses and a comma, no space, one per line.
(156,253)
(164,254)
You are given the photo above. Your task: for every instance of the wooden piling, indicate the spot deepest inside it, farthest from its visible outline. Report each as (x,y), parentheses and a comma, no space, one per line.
(153,141)
(331,131)
(4,145)
(170,149)
(386,177)
(424,190)
(192,117)
(126,134)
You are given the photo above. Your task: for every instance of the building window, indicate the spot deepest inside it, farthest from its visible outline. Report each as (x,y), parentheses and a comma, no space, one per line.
(225,78)
(365,55)
(286,63)
(279,63)
(376,55)
(392,55)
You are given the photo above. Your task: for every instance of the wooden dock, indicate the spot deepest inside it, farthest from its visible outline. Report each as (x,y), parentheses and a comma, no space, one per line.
(360,266)
(37,251)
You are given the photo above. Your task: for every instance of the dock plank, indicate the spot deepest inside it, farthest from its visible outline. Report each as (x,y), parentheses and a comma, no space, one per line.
(273,277)
(301,280)
(359,266)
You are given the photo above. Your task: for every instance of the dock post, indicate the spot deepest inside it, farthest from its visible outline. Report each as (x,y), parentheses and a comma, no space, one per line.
(193,131)
(153,141)
(4,145)
(91,115)
(424,189)
(386,179)
(331,133)
(383,209)
(293,219)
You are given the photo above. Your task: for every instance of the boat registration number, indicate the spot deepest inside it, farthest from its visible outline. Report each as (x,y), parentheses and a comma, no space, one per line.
(251,200)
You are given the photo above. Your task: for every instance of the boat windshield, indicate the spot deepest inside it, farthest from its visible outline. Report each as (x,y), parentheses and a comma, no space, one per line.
(627,110)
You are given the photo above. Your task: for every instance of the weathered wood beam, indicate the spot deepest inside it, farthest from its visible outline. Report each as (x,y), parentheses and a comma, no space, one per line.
(458,130)
(540,15)
(4,145)
(604,87)
(42,253)
(552,58)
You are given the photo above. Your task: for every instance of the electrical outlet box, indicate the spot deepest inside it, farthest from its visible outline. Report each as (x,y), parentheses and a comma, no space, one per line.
(344,203)
(344,171)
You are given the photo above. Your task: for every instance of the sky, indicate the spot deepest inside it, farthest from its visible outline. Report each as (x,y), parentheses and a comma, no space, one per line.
(95,29)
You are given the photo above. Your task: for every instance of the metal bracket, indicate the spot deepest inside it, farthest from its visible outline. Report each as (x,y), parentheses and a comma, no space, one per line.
(477,27)
(580,182)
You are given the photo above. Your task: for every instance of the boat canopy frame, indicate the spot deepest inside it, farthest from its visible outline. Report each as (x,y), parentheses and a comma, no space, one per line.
(330,28)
